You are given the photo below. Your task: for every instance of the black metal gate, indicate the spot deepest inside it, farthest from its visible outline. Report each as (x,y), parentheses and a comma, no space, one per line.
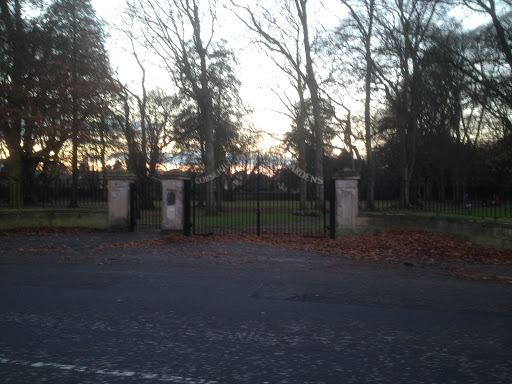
(256,196)
(146,204)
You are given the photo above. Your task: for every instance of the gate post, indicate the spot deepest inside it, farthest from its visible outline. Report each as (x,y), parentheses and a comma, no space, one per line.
(346,200)
(173,201)
(119,198)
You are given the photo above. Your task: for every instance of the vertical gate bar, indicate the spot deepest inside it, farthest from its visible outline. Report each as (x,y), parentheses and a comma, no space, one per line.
(142,188)
(205,218)
(227,203)
(149,204)
(132,207)
(251,193)
(160,198)
(251,199)
(186,207)
(155,204)
(325,207)
(294,205)
(202,212)
(157,196)
(194,205)
(141,202)
(258,218)
(216,228)
(214,222)
(235,222)
(207,213)
(157,209)
(332,209)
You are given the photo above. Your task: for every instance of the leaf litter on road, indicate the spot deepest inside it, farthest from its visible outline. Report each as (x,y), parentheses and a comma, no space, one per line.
(406,247)
(397,246)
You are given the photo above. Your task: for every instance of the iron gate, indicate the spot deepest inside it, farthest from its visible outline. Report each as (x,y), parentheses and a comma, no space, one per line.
(146,204)
(257,197)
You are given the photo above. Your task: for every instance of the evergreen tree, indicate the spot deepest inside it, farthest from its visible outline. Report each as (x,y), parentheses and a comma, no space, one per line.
(17,56)
(80,70)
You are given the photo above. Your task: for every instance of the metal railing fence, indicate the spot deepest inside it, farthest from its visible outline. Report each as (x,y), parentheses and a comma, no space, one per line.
(55,194)
(456,200)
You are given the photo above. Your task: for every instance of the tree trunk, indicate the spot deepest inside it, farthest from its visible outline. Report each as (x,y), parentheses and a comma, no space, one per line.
(315,100)
(103,159)
(74,161)
(209,147)
(302,194)
(404,188)
(404,170)
(210,161)
(206,108)
(15,33)
(74,135)
(15,179)
(218,194)
(370,198)
(301,118)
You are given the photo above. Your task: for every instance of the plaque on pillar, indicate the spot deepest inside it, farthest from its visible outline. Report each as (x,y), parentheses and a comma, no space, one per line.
(173,185)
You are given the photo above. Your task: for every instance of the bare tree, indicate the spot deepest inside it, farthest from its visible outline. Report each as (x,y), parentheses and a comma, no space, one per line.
(361,24)
(175,31)
(131,109)
(311,81)
(405,29)
(290,39)
(502,30)
(160,115)
(485,57)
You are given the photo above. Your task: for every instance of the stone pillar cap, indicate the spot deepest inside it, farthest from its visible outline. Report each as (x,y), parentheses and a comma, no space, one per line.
(120,174)
(174,174)
(347,173)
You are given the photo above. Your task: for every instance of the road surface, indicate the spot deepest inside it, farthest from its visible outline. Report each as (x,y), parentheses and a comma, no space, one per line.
(239,313)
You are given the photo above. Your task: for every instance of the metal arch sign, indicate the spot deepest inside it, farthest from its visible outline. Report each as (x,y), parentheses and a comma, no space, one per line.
(294,168)
(222,168)
(212,176)
(306,176)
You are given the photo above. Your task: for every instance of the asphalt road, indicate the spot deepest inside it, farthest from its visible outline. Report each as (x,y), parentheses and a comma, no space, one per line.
(241,314)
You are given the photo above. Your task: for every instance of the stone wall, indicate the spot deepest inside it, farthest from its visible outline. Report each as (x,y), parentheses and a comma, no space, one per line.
(54,217)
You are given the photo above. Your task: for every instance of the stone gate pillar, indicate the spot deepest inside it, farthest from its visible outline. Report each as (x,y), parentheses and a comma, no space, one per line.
(346,200)
(119,198)
(173,202)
